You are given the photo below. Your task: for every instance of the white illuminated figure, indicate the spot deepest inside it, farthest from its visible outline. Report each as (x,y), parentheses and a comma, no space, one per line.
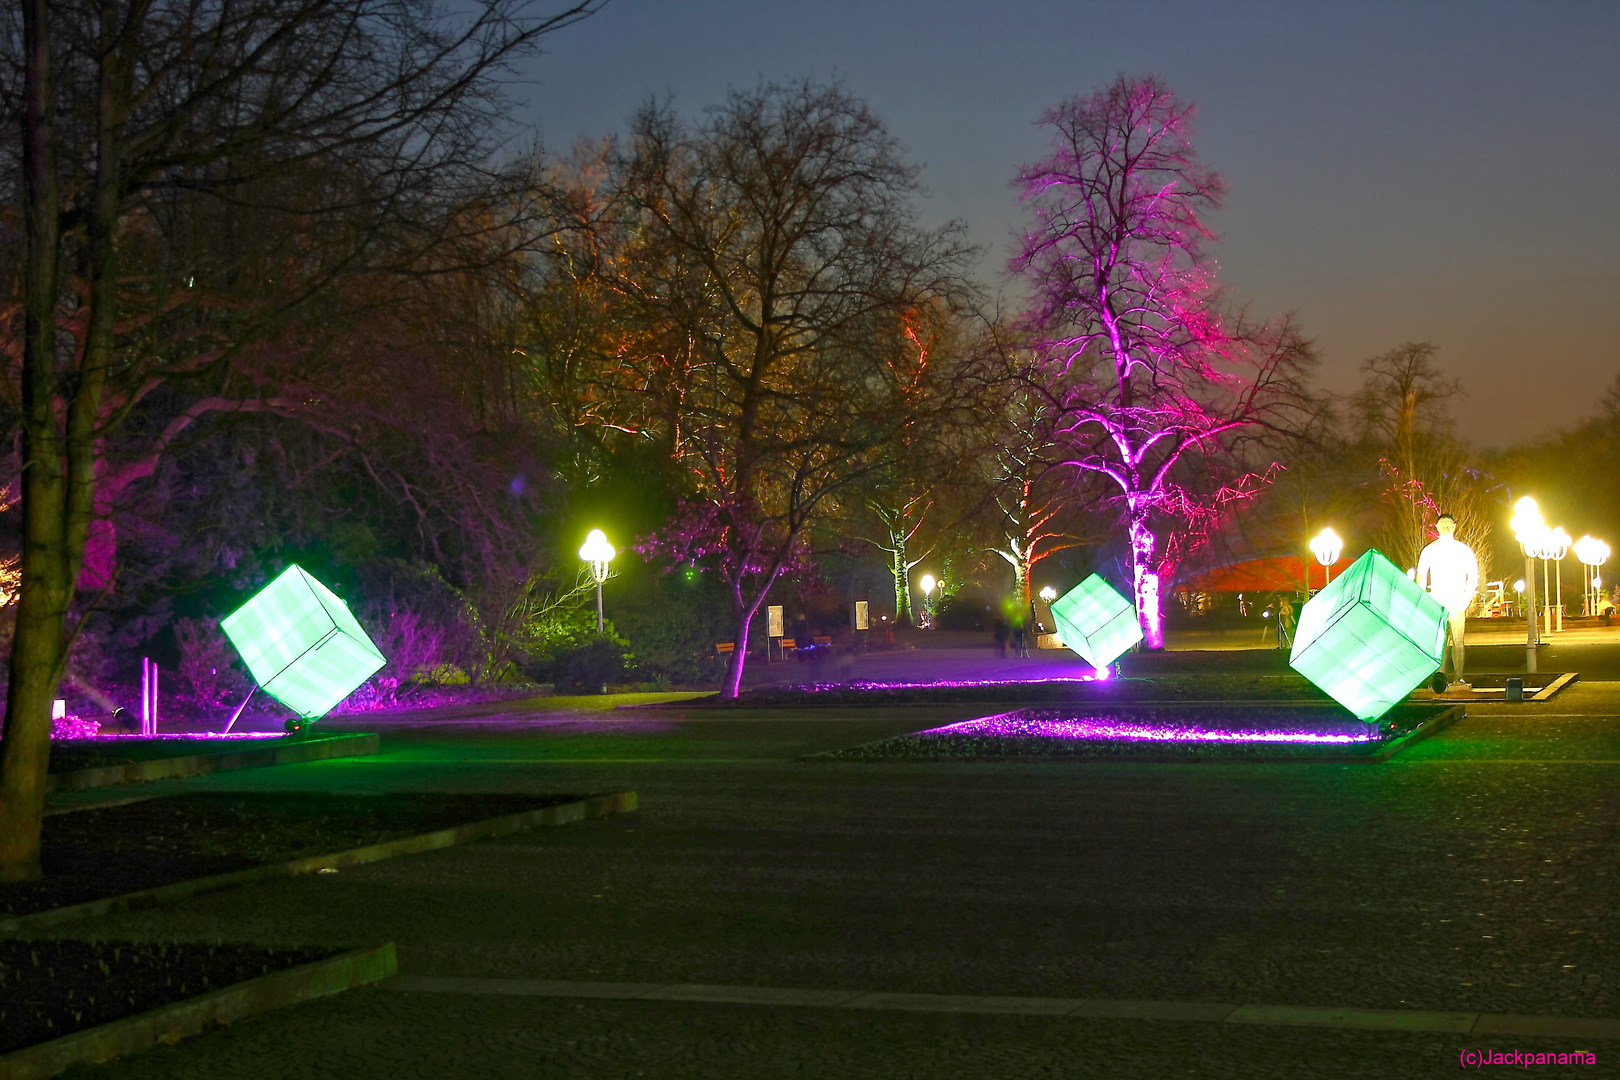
(1448,570)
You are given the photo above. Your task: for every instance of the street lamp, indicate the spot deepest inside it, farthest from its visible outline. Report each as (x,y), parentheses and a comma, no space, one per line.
(1557,547)
(1593,553)
(1529,530)
(1048,593)
(598,552)
(927,584)
(1326,546)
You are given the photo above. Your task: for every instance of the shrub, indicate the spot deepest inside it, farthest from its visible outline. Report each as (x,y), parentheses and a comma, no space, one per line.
(961,613)
(587,668)
(208,663)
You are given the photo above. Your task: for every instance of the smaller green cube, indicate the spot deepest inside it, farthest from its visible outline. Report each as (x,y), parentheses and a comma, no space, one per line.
(1370,638)
(302,644)
(1096,622)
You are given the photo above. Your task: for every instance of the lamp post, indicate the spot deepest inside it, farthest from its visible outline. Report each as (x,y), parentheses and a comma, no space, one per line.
(1528,530)
(598,552)
(1557,548)
(1592,553)
(928,584)
(1326,546)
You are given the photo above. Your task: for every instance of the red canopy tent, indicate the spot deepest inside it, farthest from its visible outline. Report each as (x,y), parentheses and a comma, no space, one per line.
(1279,573)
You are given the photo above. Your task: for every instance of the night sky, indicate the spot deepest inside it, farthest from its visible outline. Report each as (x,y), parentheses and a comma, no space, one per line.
(1404,171)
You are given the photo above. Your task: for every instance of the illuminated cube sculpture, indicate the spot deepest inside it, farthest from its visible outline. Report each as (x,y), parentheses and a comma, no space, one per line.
(1096,622)
(301,643)
(1370,637)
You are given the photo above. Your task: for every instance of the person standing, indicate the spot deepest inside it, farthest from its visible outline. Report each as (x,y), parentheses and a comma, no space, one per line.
(1449,571)
(1285,622)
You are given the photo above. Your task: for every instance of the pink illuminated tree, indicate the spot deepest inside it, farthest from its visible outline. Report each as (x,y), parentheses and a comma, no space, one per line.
(1164,395)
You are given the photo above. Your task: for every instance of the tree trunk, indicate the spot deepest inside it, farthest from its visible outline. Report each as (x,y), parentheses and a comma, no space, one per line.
(37,646)
(902,580)
(1145,583)
(739,654)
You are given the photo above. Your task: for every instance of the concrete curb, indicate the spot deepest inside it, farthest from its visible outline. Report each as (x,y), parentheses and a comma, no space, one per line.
(277,753)
(171,1023)
(597,806)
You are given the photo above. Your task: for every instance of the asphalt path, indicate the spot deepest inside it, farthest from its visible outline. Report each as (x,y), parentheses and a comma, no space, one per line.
(1475,873)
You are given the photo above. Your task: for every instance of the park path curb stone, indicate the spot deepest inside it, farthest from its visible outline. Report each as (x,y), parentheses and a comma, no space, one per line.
(171,1023)
(596,806)
(256,757)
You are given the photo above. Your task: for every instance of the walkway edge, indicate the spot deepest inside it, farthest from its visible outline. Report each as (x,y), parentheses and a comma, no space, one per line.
(171,1023)
(596,806)
(1456,1023)
(256,757)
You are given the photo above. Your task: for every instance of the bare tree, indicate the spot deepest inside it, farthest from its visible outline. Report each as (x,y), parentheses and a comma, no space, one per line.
(124,103)
(1158,387)
(1423,471)
(781,236)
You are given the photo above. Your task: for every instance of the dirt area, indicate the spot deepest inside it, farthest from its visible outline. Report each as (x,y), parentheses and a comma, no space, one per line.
(49,989)
(71,755)
(90,854)
(1239,687)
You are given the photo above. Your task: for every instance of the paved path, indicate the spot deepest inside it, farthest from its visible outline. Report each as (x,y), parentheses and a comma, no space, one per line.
(1475,874)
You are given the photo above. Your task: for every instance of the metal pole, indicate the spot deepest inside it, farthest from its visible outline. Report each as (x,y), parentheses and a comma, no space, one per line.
(598,605)
(1546,601)
(1559,577)
(1530,639)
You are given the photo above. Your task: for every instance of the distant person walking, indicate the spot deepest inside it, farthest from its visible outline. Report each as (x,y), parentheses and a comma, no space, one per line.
(1285,622)
(999,630)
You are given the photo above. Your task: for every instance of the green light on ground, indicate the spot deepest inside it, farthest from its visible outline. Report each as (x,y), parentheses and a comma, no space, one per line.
(302,644)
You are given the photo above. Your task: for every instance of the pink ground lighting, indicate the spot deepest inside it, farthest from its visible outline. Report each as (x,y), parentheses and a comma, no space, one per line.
(1025,725)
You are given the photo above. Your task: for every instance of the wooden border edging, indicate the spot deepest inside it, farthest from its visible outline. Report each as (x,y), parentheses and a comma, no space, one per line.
(277,752)
(1556,685)
(596,806)
(173,1022)
(1419,733)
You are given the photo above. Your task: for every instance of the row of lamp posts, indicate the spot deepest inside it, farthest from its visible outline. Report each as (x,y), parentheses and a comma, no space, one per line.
(1539,541)
(1550,545)
(1534,536)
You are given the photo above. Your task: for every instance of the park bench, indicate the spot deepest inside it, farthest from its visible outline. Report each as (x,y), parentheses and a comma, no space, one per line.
(725,648)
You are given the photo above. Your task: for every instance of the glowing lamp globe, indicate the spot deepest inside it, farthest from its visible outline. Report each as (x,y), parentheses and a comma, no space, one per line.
(302,644)
(1528,527)
(928,584)
(1370,638)
(1096,622)
(1048,593)
(598,552)
(1326,546)
(1591,551)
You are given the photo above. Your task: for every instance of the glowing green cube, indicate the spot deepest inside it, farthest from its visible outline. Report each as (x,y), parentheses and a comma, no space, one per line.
(1096,622)
(1370,637)
(301,643)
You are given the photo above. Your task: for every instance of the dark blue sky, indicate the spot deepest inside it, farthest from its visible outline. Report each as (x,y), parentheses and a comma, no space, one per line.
(1398,171)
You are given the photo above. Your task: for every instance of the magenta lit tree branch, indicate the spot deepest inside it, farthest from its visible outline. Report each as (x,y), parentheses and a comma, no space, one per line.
(1162,395)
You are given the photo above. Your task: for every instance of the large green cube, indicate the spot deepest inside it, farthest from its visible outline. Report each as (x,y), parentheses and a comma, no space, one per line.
(301,643)
(1096,622)
(1370,637)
